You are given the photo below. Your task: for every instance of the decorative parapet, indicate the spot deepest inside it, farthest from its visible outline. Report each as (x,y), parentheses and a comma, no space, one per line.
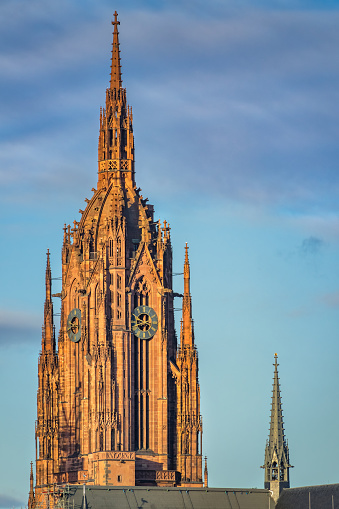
(166,475)
(113,455)
(115,165)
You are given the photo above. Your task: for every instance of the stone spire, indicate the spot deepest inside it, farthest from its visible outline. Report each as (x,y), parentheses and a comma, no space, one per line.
(116,141)
(187,334)
(276,437)
(48,342)
(277,462)
(116,81)
(206,474)
(31,489)
(47,396)
(189,422)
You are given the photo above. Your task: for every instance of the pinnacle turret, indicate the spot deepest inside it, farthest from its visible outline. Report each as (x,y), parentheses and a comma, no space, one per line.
(206,474)
(48,343)
(189,424)
(31,498)
(187,337)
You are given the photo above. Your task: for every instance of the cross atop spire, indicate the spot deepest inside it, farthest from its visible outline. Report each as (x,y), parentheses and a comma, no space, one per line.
(116,81)
(115,22)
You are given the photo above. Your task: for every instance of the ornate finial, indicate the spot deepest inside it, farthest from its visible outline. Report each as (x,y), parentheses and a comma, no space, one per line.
(115,22)
(186,264)
(48,267)
(186,253)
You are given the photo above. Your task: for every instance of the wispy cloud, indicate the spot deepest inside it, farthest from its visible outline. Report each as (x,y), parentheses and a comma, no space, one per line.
(17,327)
(7,501)
(331,299)
(241,107)
(311,246)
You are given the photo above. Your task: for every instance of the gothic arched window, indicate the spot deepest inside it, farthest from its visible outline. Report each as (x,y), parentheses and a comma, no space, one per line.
(74,296)
(274,471)
(142,292)
(282,471)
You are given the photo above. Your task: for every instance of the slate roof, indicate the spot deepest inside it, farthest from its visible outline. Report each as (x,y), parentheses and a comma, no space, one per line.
(113,497)
(319,496)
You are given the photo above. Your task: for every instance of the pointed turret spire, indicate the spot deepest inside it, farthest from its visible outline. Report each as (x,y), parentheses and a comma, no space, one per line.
(206,474)
(187,325)
(277,462)
(189,424)
(276,437)
(31,489)
(47,397)
(116,81)
(48,343)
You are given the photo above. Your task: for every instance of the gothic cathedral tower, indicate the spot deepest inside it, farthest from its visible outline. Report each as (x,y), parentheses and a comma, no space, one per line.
(277,460)
(117,403)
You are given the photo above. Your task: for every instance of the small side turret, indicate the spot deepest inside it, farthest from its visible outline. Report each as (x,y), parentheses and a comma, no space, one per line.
(31,498)
(189,422)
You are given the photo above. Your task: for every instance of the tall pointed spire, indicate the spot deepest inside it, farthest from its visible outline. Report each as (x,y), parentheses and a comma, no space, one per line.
(276,436)
(189,423)
(116,81)
(48,342)
(277,461)
(46,436)
(187,325)
(206,474)
(116,141)
(31,489)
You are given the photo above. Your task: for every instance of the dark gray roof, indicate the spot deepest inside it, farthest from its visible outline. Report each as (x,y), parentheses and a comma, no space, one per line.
(320,497)
(113,497)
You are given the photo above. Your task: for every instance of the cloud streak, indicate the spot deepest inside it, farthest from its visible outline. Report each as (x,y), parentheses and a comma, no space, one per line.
(311,246)
(7,501)
(20,328)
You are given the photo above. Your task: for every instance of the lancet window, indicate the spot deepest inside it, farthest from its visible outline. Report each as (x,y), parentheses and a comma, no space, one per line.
(274,471)
(141,370)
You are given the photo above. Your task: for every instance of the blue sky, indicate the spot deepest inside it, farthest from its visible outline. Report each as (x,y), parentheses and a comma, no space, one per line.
(236,109)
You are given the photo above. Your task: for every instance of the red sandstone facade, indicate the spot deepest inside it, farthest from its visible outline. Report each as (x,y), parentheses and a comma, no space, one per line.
(118,403)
